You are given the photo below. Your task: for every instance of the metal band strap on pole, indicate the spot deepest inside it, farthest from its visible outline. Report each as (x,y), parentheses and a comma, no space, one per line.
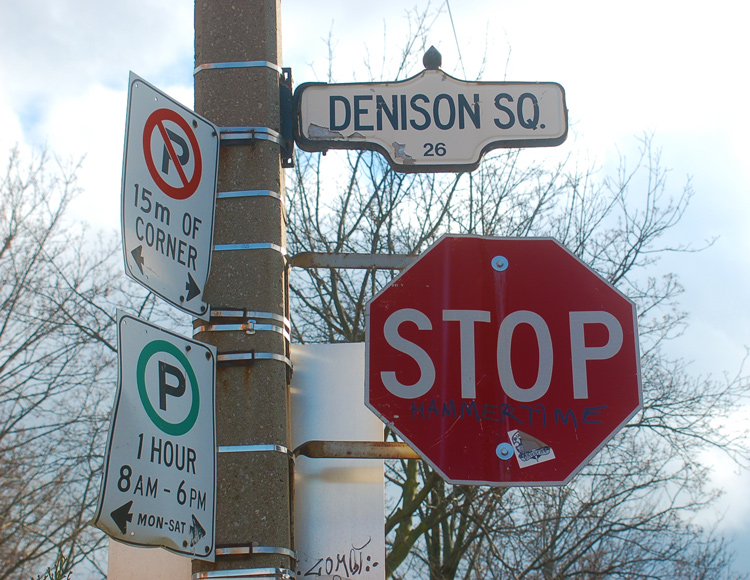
(243,135)
(249,327)
(253,193)
(250,193)
(251,246)
(246,314)
(245,64)
(256,448)
(247,321)
(280,573)
(229,551)
(242,358)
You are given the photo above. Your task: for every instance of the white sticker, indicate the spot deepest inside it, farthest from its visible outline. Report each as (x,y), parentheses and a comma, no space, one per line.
(529,450)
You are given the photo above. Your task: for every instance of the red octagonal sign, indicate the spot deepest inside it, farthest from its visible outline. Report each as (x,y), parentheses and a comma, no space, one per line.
(502,361)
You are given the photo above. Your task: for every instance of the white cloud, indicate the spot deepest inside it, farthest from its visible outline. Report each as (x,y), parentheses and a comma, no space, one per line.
(65,87)
(91,126)
(60,47)
(11,133)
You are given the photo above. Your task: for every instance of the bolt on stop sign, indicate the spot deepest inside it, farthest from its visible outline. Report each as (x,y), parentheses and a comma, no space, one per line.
(502,361)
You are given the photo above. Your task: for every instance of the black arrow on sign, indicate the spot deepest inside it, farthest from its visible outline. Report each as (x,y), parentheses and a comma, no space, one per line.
(196,531)
(192,288)
(138,257)
(122,516)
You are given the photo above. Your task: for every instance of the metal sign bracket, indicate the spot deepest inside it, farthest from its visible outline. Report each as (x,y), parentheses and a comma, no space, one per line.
(287,120)
(356,450)
(242,135)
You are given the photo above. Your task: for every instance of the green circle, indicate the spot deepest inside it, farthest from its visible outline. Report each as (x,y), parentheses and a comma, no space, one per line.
(169,428)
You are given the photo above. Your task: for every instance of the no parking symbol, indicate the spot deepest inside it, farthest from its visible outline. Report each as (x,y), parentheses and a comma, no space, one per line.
(170,142)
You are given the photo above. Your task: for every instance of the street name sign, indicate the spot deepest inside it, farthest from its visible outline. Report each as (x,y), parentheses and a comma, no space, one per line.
(168,190)
(502,361)
(159,478)
(432,121)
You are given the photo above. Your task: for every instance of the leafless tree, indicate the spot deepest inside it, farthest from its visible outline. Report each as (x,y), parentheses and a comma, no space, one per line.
(59,287)
(630,513)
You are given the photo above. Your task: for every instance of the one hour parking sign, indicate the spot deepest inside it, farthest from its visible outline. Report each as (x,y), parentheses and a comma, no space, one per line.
(168,191)
(160,473)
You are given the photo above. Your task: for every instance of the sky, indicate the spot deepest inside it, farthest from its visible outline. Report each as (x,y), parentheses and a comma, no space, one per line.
(669,68)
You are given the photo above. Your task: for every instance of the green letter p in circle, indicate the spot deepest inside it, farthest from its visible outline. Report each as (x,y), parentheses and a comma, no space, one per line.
(150,350)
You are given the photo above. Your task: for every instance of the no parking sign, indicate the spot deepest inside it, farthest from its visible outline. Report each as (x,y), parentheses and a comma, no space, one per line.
(168,192)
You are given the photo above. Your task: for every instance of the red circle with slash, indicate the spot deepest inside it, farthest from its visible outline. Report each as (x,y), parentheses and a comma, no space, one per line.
(156,122)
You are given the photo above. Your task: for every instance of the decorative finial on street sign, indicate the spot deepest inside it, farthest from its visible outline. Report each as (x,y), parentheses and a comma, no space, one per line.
(432,59)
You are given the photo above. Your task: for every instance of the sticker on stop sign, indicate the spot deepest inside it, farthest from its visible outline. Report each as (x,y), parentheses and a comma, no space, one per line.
(502,361)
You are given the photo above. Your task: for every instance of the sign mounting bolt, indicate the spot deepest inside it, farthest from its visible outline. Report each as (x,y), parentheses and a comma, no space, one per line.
(504,451)
(500,263)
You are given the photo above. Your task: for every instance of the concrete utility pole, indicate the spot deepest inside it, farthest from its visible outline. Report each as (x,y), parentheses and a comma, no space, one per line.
(237,55)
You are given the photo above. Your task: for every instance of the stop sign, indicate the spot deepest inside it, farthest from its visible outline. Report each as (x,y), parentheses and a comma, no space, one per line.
(502,361)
